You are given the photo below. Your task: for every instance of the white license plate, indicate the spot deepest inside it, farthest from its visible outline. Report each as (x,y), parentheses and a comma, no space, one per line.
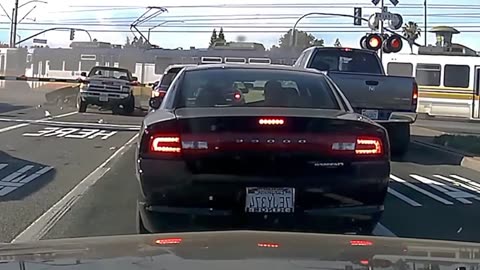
(270,200)
(372,114)
(103,98)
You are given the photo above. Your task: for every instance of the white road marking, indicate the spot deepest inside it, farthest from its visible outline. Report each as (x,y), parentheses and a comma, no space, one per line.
(403,197)
(43,224)
(28,122)
(3,165)
(421,190)
(18,179)
(450,191)
(68,133)
(473,183)
(456,183)
(381,230)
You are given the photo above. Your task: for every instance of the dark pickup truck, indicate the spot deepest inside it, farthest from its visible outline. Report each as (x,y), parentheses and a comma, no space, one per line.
(388,100)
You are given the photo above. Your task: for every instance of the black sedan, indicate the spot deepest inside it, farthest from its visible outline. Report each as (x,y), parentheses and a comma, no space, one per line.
(289,153)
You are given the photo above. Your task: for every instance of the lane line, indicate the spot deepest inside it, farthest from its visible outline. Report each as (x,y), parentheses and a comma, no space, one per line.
(381,230)
(421,190)
(403,197)
(43,224)
(5,129)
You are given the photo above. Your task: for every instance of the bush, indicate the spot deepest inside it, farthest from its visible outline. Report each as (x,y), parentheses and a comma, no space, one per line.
(467,143)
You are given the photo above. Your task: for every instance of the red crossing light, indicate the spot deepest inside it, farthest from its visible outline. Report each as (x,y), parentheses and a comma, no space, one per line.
(371,42)
(393,44)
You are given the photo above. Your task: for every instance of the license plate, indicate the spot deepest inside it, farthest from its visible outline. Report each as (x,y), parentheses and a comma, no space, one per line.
(103,98)
(270,200)
(372,114)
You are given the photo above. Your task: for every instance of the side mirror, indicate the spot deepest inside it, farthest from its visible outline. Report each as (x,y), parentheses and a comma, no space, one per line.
(83,74)
(155,102)
(134,79)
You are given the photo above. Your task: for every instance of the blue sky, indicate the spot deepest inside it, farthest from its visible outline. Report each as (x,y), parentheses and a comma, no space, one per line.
(117,15)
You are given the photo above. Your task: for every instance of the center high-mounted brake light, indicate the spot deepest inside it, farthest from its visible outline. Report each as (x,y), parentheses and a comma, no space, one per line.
(362,146)
(165,144)
(271,121)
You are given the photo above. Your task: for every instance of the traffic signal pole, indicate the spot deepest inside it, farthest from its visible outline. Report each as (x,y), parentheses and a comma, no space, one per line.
(381,29)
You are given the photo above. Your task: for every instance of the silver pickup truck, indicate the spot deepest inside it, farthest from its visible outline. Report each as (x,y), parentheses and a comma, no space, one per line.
(388,100)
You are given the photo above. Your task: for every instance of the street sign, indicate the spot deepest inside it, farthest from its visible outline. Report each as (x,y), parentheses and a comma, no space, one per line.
(39,41)
(385,16)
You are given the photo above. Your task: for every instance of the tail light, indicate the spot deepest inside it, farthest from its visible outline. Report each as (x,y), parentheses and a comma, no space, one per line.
(237,95)
(134,83)
(415,94)
(159,93)
(168,241)
(363,146)
(165,143)
(268,245)
(361,243)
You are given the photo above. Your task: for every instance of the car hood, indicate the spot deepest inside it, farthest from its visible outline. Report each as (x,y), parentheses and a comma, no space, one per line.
(234,250)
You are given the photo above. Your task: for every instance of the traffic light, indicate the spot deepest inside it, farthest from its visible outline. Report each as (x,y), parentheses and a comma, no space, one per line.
(371,42)
(357,13)
(392,44)
(72,34)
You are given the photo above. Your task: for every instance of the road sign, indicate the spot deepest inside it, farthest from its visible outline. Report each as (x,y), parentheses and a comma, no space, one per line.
(39,41)
(385,16)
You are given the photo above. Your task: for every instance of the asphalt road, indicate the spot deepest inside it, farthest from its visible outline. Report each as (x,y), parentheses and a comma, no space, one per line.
(43,159)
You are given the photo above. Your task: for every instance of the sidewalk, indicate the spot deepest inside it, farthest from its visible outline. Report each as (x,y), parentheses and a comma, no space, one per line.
(426,137)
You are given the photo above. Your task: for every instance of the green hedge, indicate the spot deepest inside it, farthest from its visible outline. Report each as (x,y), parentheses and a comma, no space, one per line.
(467,143)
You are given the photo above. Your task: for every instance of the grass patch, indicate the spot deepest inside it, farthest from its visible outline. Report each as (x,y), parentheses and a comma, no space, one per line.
(466,143)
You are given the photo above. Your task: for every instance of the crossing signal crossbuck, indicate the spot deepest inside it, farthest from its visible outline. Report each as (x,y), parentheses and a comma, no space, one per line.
(388,43)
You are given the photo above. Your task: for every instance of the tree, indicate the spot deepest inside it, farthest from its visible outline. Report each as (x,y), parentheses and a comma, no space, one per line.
(303,40)
(221,36)
(213,38)
(411,31)
(128,42)
(337,43)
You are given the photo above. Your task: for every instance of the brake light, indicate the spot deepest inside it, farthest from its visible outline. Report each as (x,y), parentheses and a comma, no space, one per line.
(159,93)
(364,262)
(368,146)
(268,245)
(168,241)
(165,144)
(346,49)
(362,146)
(361,243)
(237,96)
(134,83)
(271,121)
(415,94)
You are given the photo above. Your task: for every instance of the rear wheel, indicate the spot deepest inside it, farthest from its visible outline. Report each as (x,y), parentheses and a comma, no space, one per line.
(81,105)
(399,135)
(129,106)
(140,227)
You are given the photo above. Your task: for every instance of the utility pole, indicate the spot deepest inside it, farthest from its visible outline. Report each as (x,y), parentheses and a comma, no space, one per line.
(425,21)
(14,24)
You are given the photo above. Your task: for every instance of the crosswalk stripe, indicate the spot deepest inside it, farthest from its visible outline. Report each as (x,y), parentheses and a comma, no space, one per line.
(473,183)
(456,183)
(450,191)
(421,190)
(16,174)
(403,197)
(3,165)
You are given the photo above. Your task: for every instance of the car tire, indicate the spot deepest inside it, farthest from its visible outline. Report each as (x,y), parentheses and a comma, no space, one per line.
(81,105)
(140,226)
(399,135)
(129,106)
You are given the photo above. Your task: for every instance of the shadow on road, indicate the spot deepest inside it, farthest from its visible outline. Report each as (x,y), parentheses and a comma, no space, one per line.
(424,155)
(20,178)
(7,107)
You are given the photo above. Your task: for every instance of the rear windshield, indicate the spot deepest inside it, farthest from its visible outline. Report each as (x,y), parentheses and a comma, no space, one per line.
(255,87)
(167,79)
(105,72)
(348,61)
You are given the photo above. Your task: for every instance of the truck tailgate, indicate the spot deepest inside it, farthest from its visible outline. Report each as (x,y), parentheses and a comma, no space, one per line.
(367,91)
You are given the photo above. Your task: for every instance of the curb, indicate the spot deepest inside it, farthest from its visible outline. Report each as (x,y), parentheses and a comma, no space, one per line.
(467,161)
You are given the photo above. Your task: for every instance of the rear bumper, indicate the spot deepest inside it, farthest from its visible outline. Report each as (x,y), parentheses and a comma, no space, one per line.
(168,187)
(400,117)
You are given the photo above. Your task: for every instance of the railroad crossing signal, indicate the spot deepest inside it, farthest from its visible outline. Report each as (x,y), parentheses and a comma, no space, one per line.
(72,34)
(375,42)
(394,2)
(357,13)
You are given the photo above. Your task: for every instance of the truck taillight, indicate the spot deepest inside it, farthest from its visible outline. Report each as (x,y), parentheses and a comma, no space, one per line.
(415,94)
(168,144)
(362,146)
